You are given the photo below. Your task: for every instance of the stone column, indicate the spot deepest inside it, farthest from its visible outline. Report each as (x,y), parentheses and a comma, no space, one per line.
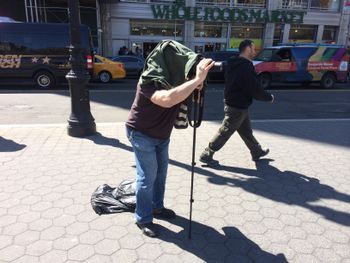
(319,35)
(344,28)
(188,34)
(268,34)
(286,33)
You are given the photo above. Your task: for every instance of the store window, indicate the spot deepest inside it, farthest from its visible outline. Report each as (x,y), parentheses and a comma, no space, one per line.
(328,5)
(250,3)
(156,28)
(240,32)
(331,5)
(216,30)
(329,34)
(302,33)
(213,2)
(295,4)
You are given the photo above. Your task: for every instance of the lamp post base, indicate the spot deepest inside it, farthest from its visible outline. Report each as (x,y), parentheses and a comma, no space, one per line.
(78,129)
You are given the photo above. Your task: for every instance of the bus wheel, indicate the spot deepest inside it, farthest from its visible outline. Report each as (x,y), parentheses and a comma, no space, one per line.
(328,80)
(265,80)
(44,80)
(104,77)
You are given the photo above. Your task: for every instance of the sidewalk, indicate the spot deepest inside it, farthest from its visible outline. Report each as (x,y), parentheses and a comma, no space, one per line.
(292,207)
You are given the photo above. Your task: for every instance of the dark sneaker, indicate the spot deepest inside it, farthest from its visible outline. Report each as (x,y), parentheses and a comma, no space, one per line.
(148,229)
(208,160)
(262,154)
(164,213)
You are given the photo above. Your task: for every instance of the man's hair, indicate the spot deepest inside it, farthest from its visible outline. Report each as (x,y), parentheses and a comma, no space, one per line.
(244,44)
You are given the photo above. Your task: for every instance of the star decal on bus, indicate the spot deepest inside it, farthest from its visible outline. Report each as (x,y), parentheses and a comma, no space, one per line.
(35,60)
(46,60)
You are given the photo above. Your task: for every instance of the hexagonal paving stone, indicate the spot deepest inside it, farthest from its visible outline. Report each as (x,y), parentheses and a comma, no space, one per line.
(131,241)
(5,241)
(7,220)
(52,233)
(54,256)
(65,243)
(301,258)
(80,252)
(27,259)
(77,228)
(107,247)
(272,223)
(91,237)
(336,236)
(39,248)
(15,229)
(64,220)
(40,224)
(115,232)
(11,252)
(255,228)
(149,251)
(125,256)
(301,246)
(52,213)
(18,209)
(101,223)
(277,236)
(41,206)
(99,259)
(26,238)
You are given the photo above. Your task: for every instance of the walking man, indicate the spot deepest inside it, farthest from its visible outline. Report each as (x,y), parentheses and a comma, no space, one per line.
(170,75)
(241,87)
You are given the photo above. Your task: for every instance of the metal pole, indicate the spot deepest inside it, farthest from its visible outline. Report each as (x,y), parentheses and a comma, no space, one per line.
(26,8)
(36,11)
(31,11)
(80,122)
(195,124)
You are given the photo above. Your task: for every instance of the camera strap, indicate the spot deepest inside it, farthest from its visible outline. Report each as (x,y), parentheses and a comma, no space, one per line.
(195,106)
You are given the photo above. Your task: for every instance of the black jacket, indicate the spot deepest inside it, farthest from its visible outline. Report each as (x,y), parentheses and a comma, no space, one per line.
(242,84)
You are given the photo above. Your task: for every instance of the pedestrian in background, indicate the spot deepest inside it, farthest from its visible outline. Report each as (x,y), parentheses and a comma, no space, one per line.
(241,87)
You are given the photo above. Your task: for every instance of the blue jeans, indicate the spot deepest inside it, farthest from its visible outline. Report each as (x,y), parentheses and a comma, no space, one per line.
(152,157)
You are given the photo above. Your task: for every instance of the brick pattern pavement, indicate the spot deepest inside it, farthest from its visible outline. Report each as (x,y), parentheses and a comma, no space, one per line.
(293,207)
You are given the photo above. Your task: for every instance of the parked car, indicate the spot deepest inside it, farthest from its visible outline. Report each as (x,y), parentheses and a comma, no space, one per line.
(106,70)
(219,56)
(301,63)
(39,52)
(133,64)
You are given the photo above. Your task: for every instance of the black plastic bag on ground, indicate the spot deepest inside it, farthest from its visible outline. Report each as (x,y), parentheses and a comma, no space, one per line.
(107,200)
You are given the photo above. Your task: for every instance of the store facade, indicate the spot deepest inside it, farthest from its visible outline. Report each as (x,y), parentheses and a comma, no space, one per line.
(206,25)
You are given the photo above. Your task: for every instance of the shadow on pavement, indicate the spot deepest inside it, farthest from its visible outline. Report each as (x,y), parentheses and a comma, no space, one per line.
(100,139)
(325,131)
(10,146)
(211,246)
(286,187)
(267,181)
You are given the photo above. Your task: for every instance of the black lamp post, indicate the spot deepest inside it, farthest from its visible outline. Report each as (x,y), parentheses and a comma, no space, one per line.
(80,122)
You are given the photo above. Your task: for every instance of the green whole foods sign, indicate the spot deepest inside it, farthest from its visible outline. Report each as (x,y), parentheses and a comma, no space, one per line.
(238,15)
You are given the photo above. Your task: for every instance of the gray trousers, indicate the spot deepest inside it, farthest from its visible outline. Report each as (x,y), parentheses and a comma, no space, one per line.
(235,120)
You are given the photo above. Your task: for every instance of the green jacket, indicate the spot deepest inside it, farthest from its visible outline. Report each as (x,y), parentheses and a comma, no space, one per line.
(170,64)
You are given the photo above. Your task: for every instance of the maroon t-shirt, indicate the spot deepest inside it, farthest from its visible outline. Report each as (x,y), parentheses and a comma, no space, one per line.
(149,118)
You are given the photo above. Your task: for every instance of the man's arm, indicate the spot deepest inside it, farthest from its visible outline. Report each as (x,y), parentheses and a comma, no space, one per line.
(169,98)
(253,87)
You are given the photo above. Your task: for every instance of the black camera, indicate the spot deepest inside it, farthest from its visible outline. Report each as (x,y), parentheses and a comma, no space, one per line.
(218,66)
